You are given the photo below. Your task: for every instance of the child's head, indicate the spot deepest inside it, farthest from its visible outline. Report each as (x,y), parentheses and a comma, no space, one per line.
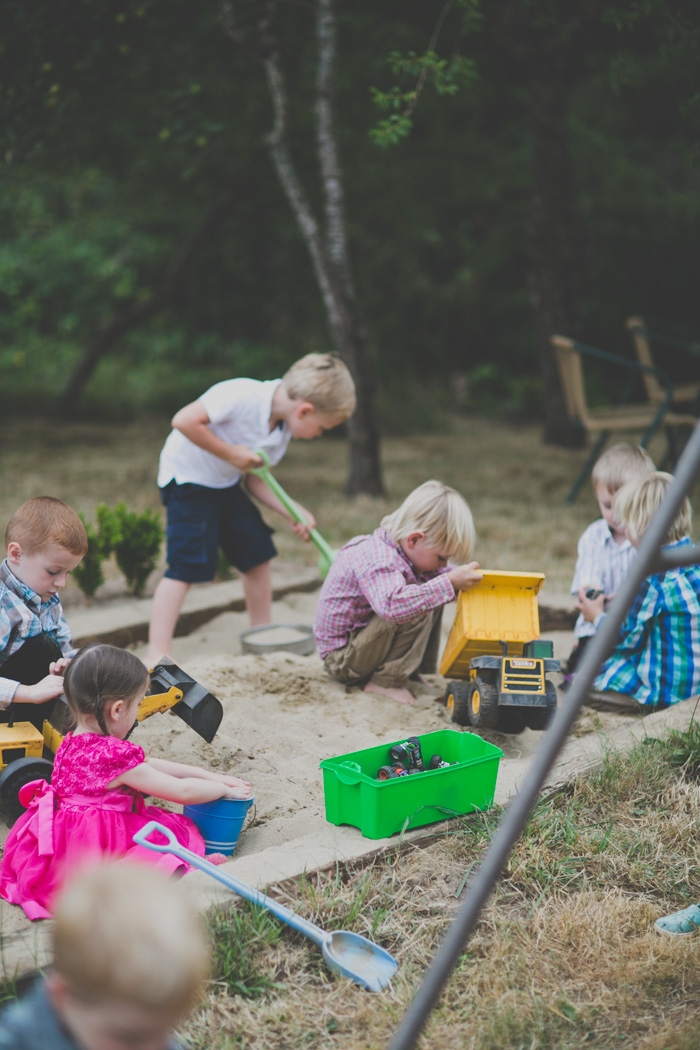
(615,468)
(103,685)
(433,518)
(322,384)
(45,540)
(638,500)
(130,957)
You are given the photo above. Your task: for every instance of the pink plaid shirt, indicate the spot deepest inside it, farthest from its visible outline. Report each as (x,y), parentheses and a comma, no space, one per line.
(372,575)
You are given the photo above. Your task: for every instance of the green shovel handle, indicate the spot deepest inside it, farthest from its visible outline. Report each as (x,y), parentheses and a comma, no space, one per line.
(288,504)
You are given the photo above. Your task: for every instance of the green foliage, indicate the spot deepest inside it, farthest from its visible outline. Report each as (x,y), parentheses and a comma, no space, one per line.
(239,937)
(88,574)
(137,543)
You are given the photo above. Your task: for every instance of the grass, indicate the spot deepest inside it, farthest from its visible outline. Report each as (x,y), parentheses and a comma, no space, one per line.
(564,955)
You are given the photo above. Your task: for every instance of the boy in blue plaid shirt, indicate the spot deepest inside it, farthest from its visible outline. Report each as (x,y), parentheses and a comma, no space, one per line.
(656,661)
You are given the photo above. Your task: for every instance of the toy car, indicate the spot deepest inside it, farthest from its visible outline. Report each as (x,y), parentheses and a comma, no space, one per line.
(26,753)
(495,658)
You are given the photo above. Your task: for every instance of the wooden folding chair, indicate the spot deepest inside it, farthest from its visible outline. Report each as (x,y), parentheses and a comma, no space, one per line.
(646,417)
(687,394)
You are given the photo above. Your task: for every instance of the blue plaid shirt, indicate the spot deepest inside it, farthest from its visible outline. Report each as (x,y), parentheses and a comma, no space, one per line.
(657,656)
(23,615)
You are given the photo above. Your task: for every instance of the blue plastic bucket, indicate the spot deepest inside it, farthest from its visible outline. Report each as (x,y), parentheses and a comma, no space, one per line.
(220,822)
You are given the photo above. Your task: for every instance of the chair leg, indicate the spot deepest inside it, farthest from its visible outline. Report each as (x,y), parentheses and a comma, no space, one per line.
(587,467)
(670,456)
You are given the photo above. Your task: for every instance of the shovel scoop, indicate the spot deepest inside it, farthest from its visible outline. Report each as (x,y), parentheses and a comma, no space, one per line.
(326,553)
(349,954)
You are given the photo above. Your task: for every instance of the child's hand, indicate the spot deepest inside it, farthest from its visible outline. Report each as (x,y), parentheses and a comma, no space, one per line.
(465,576)
(243,458)
(590,607)
(59,667)
(303,529)
(46,689)
(236,788)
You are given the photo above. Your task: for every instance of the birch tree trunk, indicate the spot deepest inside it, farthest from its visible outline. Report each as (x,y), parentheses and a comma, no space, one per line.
(325,240)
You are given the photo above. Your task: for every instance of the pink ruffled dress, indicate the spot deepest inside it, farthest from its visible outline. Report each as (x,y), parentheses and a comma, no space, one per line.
(76,819)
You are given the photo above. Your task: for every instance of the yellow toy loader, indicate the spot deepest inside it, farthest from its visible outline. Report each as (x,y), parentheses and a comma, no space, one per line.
(26,753)
(495,658)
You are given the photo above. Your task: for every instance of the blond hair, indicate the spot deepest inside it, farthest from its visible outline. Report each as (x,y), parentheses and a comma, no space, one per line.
(125,932)
(620,464)
(44,521)
(439,512)
(637,502)
(324,381)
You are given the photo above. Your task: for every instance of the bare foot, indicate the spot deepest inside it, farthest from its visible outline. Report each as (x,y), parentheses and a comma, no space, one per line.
(418,677)
(397,693)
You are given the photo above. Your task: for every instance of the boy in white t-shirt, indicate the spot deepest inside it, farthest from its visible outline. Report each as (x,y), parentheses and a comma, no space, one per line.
(604,551)
(202,463)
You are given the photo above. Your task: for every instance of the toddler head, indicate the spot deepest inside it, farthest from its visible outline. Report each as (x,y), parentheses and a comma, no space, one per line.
(324,382)
(433,518)
(104,684)
(637,502)
(130,957)
(45,540)
(617,466)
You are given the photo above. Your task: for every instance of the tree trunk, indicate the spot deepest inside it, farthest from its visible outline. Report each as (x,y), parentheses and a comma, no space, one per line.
(118,326)
(327,244)
(553,253)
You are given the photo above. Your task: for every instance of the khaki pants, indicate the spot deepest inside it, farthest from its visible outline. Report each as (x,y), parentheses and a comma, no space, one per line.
(389,653)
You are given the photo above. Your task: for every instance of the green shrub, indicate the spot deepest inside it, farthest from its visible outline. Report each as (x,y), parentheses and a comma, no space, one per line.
(137,545)
(88,575)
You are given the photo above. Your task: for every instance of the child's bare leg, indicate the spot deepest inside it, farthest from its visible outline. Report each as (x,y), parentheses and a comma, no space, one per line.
(167,602)
(257,587)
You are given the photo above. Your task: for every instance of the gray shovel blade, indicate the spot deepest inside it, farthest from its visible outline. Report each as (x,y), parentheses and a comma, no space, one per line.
(356,957)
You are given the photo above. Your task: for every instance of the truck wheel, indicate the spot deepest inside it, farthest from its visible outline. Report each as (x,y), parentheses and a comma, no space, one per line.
(538,718)
(13,779)
(457,702)
(511,719)
(483,704)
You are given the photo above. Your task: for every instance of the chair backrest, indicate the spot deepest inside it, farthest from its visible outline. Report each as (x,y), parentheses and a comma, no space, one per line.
(571,375)
(642,346)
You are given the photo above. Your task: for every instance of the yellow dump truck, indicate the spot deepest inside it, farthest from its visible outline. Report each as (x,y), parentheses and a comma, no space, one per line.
(26,753)
(495,658)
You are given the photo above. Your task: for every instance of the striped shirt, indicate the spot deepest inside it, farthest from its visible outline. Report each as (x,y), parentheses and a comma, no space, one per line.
(371,576)
(23,615)
(657,657)
(602,563)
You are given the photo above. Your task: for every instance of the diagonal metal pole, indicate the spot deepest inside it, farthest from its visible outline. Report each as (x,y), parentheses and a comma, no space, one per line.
(649,558)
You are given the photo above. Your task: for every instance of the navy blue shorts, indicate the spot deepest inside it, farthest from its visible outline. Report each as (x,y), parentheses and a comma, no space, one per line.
(200,520)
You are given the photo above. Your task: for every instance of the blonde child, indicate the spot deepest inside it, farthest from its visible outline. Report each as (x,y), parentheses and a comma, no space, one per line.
(204,485)
(604,551)
(45,541)
(656,661)
(378,616)
(95,802)
(130,959)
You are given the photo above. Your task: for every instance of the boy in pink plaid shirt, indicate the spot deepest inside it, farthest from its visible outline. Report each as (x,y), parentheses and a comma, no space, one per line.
(378,617)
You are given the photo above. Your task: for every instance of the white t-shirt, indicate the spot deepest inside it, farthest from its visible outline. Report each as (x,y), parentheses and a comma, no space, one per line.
(239,412)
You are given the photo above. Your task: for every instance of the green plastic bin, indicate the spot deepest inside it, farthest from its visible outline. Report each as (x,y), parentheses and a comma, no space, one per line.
(380,808)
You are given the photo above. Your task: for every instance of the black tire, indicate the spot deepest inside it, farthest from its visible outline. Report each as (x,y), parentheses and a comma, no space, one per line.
(512,719)
(538,718)
(14,777)
(484,711)
(456,701)
(386,773)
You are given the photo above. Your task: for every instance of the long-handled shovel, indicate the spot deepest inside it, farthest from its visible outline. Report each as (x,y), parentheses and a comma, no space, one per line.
(348,953)
(326,553)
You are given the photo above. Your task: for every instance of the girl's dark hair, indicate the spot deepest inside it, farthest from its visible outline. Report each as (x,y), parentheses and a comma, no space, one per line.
(101,674)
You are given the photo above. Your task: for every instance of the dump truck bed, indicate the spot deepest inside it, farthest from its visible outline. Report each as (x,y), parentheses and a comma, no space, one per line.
(501,608)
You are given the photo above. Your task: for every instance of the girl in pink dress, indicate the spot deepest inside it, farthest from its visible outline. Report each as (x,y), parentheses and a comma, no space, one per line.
(95,802)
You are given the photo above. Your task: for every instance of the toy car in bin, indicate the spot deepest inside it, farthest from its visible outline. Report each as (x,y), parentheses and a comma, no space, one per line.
(26,753)
(496,661)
